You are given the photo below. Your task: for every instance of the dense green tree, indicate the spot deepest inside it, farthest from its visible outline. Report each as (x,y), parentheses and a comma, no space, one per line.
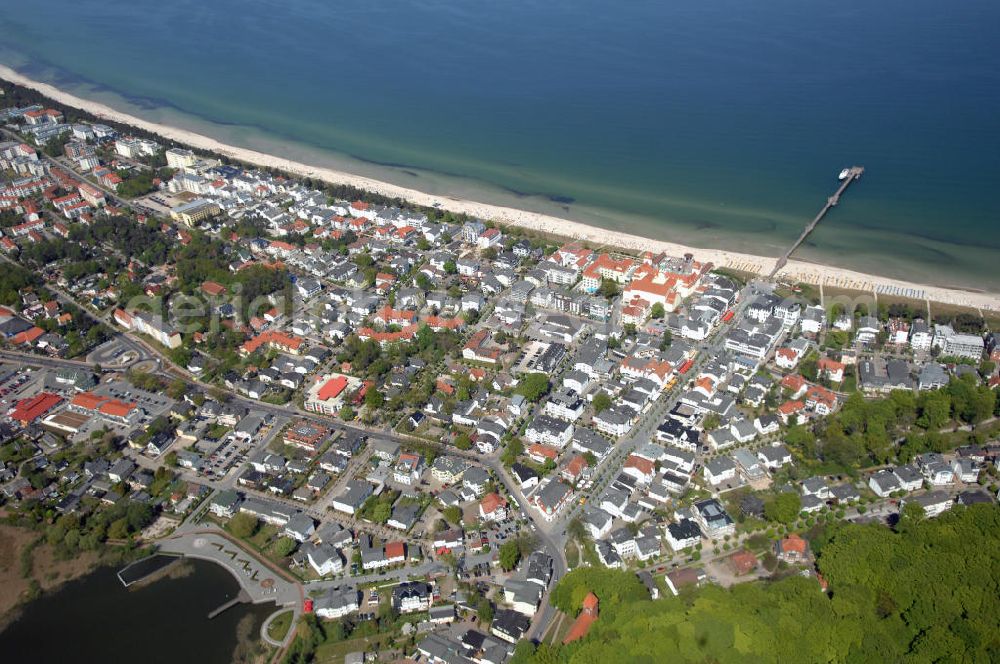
(533,386)
(484,609)
(381,512)
(243,525)
(512,451)
(284,546)
(601,401)
(118,529)
(783,508)
(510,554)
(609,289)
(54,146)
(453,514)
(935,407)
(374,399)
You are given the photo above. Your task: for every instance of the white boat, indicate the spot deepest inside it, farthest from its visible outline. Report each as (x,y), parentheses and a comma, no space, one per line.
(844,174)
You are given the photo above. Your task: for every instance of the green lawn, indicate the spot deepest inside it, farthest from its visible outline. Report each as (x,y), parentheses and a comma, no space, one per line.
(335,652)
(263,536)
(572,554)
(278,628)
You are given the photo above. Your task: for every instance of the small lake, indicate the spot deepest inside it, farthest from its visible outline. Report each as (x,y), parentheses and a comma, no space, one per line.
(95,618)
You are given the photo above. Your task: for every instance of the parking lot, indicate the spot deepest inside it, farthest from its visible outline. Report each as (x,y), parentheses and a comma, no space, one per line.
(13,382)
(530,356)
(232,452)
(111,354)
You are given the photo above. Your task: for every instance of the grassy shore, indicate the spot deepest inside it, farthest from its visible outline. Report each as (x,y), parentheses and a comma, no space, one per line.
(30,567)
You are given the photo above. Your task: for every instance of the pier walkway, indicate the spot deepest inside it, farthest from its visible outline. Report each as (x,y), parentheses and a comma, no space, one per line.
(241,598)
(853,174)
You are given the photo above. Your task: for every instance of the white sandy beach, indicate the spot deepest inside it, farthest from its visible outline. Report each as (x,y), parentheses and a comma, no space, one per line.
(795,270)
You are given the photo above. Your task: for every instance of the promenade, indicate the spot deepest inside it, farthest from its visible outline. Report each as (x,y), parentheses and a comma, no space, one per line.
(259,581)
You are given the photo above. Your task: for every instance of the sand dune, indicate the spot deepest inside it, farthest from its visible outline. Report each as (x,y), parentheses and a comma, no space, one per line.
(795,270)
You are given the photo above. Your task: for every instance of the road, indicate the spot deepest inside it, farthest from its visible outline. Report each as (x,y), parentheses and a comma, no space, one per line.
(641,433)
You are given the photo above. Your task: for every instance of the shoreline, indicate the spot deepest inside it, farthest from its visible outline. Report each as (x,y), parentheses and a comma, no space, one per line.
(795,270)
(39,581)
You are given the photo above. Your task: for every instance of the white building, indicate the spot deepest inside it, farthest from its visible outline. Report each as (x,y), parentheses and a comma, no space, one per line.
(325,559)
(337,603)
(719,470)
(684,534)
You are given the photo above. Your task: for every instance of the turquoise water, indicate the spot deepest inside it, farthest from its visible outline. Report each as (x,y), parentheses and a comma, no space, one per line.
(718,123)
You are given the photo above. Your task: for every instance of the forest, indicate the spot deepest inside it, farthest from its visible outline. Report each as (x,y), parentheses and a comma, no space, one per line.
(897,427)
(928,590)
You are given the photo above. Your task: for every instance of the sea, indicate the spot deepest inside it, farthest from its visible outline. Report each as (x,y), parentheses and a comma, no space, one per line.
(714,123)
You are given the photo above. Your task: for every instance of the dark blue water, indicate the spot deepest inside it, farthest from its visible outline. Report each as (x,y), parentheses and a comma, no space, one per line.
(719,123)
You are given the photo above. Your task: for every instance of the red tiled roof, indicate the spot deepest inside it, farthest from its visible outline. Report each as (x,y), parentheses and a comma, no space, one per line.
(272,337)
(793,543)
(115,408)
(820,393)
(213,288)
(539,450)
(28,336)
(826,364)
(743,561)
(407,332)
(588,614)
(790,407)
(29,410)
(576,465)
(395,550)
(643,465)
(491,502)
(332,388)
(87,401)
(794,382)
(438,322)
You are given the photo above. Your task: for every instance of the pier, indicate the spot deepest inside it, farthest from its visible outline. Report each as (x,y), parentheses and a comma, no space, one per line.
(241,598)
(853,174)
(146,567)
